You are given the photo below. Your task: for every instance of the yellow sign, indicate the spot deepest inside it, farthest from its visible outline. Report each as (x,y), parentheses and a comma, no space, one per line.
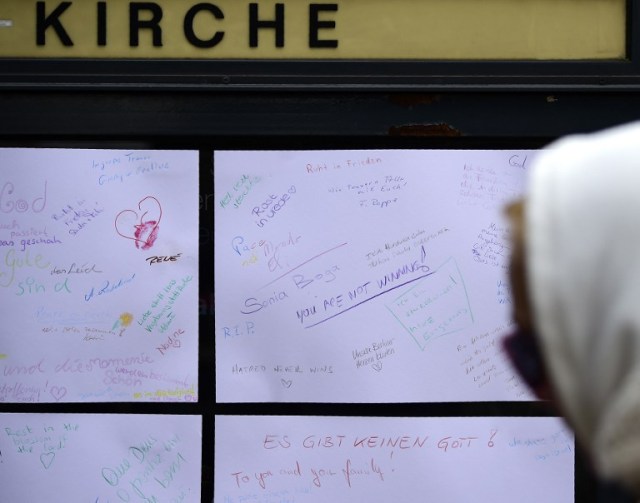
(300,29)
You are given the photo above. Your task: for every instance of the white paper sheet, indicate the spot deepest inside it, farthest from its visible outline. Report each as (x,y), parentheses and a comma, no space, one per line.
(100,458)
(268,459)
(364,276)
(98,275)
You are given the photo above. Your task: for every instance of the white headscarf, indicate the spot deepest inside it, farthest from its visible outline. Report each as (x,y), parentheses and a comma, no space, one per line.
(583,248)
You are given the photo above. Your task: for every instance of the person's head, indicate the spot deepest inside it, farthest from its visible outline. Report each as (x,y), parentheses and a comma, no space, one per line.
(575,276)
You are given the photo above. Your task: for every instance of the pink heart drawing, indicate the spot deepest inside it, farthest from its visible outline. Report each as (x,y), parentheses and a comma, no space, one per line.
(377,366)
(46,459)
(285,383)
(58,392)
(142,229)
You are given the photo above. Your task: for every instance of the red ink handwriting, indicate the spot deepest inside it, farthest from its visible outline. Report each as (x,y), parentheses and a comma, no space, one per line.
(142,229)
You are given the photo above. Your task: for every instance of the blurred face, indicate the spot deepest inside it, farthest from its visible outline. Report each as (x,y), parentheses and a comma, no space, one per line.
(517,268)
(522,346)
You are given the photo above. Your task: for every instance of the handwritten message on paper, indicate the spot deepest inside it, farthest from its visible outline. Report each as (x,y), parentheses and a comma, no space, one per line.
(364,276)
(100,458)
(98,275)
(317,459)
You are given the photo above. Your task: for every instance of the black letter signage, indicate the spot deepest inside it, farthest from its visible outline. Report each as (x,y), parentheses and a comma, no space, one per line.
(153,24)
(255,24)
(189,32)
(315,25)
(43,22)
